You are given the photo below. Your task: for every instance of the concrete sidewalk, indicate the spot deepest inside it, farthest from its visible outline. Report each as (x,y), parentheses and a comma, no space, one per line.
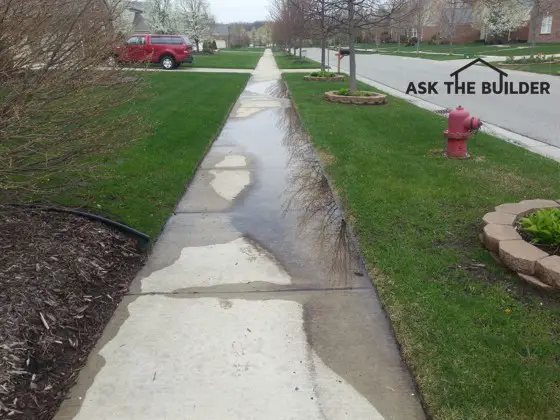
(252,305)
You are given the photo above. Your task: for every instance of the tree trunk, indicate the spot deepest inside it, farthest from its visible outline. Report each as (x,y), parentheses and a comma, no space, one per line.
(535,19)
(197,47)
(323,36)
(352,46)
(323,55)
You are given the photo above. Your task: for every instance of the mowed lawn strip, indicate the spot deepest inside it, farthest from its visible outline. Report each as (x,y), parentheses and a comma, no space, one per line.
(481,344)
(474,49)
(288,61)
(543,68)
(227,60)
(144,181)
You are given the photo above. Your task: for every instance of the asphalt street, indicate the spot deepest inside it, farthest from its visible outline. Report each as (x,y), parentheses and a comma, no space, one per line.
(533,115)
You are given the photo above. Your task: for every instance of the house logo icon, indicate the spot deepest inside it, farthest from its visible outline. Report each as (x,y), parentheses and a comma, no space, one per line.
(502,73)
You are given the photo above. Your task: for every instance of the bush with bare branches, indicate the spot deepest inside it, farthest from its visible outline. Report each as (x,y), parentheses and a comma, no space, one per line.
(57,103)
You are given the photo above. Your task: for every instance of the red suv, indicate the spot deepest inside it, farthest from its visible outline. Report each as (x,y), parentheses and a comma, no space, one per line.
(168,50)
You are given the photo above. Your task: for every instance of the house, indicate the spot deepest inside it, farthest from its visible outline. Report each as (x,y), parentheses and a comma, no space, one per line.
(459,24)
(220,34)
(451,23)
(548,28)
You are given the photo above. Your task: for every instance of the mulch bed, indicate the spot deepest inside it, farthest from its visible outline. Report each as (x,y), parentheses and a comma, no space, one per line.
(61,278)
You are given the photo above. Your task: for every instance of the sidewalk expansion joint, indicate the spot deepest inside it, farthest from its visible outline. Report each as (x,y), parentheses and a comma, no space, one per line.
(242,292)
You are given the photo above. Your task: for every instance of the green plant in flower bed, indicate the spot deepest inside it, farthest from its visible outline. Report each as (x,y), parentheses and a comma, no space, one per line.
(543,226)
(539,58)
(323,74)
(348,92)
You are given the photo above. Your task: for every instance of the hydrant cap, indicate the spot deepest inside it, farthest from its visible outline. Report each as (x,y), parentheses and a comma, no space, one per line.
(476,123)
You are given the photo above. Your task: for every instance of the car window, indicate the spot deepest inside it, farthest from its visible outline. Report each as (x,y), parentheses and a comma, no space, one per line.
(158,40)
(137,40)
(187,40)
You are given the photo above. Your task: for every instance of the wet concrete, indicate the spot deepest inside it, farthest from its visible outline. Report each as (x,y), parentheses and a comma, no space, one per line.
(253,304)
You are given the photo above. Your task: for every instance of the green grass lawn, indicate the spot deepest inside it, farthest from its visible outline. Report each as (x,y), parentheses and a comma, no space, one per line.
(144,181)
(245,49)
(227,60)
(286,61)
(553,69)
(427,56)
(474,49)
(481,343)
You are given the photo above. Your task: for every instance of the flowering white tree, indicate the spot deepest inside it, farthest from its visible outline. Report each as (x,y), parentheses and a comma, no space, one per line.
(502,17)
(195,19)
(160,16)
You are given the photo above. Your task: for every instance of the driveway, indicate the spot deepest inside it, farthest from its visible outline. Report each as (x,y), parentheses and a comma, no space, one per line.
(534,116)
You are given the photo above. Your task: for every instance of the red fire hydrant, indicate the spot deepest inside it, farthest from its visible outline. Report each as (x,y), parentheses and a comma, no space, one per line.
(461,127)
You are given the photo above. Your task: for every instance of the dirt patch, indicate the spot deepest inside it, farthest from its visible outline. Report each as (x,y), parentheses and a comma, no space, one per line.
(61,278)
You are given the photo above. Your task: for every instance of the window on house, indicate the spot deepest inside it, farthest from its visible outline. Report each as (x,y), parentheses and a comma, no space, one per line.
(414,33)
(546,26)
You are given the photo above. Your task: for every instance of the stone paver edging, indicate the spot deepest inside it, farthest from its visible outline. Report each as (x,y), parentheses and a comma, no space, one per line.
(374,99)
(502,239)
(324,79)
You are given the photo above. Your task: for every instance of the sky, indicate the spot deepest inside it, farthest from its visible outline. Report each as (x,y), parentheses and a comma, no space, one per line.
(227,11)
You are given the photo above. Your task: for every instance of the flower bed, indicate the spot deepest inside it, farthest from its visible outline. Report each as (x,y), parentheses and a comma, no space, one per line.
(503,239)
(536,59)
(357,97)
(324,76)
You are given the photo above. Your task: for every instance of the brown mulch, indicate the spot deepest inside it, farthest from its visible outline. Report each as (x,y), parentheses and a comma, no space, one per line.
(61,278)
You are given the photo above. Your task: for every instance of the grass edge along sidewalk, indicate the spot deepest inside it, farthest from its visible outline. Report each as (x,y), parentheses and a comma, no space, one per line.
(481,343)
(144,181)
(286,61)
(227,60)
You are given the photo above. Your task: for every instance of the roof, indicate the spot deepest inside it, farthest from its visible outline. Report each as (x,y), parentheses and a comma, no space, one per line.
(220,29)
(139,24)
(137,6)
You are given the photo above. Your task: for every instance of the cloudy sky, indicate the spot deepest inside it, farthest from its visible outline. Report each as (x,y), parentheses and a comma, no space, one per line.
(227,11)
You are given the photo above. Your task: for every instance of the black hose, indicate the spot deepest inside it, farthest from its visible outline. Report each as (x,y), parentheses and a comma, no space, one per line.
(127,230)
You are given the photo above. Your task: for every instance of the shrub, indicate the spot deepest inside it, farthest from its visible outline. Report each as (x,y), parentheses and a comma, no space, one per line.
(323,74)
(214,45)
(543,226)
(56,109)
(348,92)
(412,41)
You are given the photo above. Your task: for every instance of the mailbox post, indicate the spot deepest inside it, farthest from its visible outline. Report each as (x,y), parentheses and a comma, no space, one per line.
(342,52)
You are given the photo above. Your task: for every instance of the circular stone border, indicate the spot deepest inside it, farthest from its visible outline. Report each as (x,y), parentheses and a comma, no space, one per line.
(507,246)
(324,79)
(374,99)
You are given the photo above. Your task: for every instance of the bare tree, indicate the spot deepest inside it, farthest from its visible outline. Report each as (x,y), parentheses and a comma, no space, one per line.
(195,19)
(356,14)
(320,18)
(57,107)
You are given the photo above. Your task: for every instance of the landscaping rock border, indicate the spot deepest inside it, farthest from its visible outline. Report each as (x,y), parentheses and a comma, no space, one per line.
(324,79)
(525,64)
(375,99)
(504,242)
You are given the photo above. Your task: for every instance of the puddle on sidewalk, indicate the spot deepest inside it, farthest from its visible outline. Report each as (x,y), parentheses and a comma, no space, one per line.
(290,209)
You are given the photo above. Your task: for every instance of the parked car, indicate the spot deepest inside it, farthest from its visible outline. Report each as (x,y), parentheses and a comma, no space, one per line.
(168,50)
